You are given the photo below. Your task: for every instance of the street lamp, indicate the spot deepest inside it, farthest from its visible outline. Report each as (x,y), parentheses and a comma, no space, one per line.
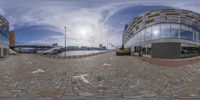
(65,41)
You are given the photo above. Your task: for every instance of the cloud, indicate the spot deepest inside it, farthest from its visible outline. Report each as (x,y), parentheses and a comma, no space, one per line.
(87,21)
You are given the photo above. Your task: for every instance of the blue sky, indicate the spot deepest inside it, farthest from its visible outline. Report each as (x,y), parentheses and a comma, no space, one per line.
(89,22)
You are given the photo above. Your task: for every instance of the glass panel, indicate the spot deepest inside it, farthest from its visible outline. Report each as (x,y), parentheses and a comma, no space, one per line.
(196,36)
(148,49)
(191,33)
(185,33)
(148,33)
(156,32)
(188,50)
(165,31)
(144,49)
(175,30)
(142,36)
(137,38)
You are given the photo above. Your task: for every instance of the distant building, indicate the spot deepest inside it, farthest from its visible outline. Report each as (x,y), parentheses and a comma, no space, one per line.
(12,39)
(100,45)
(4,37)
(104,47)
(72,48)
(85,48)
(55,44)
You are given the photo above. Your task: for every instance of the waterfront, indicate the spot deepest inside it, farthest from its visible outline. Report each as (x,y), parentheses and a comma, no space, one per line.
(83,52)
(101,77)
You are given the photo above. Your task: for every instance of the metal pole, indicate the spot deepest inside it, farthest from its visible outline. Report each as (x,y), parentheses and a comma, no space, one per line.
(65,41)
(107,47)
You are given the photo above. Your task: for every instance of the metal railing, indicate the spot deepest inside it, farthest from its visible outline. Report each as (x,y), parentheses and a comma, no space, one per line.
(73,56)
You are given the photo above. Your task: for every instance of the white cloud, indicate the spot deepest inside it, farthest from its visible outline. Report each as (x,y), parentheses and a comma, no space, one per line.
(80,16)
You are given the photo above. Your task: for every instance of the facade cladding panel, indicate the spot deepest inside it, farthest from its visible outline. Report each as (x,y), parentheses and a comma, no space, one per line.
(4,37)
(164,26)
(166,50)
(12,39)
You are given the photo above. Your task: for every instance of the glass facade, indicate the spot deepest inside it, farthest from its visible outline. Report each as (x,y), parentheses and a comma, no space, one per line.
(163,31)
(167,31)
(4,37)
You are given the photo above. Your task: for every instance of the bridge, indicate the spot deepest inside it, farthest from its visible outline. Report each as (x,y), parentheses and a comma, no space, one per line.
(32,48)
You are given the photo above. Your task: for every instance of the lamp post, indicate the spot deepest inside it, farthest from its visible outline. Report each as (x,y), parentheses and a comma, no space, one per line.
(65,41)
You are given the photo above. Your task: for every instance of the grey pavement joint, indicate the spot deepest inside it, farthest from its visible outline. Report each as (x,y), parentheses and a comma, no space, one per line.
(96,77)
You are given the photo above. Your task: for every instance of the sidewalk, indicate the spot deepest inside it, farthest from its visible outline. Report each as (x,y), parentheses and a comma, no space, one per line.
(171,62)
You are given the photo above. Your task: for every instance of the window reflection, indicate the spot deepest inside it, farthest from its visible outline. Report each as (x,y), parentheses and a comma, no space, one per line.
(148,33)
(185,33)
(142,36)
(188,50)
(175,30)
(165,31)
(196,36)
(156,32)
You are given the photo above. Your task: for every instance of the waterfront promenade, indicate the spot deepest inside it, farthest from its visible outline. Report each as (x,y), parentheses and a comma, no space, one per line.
(100,77)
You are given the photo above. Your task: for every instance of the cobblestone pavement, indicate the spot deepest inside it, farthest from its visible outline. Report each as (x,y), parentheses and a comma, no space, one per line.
(101,77)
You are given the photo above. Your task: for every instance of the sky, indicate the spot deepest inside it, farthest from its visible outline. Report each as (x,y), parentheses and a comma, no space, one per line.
(88,22)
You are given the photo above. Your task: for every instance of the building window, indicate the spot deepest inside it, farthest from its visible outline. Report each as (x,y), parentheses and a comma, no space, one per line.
(148,33)
(188,50)
(191,34)
(142,35)
(195,36)
(144,49)
(175,30)
(137,38)
(198,33)
(156,32)
(185,33)
(165,31)
(148,49)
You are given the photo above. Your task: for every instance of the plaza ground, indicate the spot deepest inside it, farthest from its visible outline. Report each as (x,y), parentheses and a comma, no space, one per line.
(100,77)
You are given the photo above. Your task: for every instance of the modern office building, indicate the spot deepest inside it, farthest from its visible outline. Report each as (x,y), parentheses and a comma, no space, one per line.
(4,37)
(164,33)
(12,39)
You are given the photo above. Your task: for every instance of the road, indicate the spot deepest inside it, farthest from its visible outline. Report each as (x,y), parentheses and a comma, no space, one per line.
(101,77)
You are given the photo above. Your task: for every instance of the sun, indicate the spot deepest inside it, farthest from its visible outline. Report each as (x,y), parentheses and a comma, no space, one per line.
(84,31)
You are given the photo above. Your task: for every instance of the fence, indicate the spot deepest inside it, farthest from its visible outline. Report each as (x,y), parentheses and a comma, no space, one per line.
(73,56)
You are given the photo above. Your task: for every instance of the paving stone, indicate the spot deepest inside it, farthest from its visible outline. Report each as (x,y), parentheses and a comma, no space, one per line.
(16,91)
(127,78)
(86,94)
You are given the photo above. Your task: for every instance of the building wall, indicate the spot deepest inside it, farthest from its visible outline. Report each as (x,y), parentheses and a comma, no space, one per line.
(176,16)
(166,50)
(164,24)
(12,39)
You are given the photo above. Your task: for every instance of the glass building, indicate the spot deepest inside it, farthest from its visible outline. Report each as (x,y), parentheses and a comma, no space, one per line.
(4,37)
(164,33)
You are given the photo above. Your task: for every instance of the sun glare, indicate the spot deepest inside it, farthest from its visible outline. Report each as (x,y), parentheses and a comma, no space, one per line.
(84,31)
